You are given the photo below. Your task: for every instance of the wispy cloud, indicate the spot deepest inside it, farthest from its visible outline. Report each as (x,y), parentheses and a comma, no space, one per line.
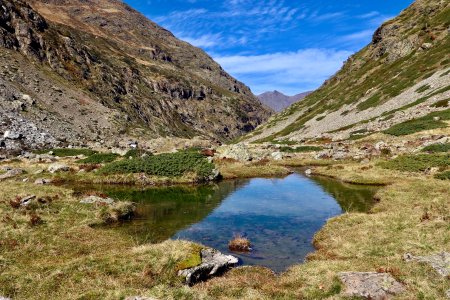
(306,68)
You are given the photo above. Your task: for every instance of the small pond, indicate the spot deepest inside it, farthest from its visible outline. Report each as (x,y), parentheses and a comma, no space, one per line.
(280,215)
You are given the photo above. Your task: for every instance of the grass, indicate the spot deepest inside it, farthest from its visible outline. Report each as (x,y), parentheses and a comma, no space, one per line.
(136,153)
(300,149)
(443,176)
(166,165)
(423,88)
(99,158)
(437,148)
(416,125)
(417,163)
(65,152)
(239,244)
(232,170)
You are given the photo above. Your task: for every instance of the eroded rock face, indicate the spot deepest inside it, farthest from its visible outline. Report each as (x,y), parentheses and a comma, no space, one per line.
(440,262)
(370,285)
(213,263)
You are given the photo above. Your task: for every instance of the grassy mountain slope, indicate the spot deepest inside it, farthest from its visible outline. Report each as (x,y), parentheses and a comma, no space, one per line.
(103,71)
(399,76)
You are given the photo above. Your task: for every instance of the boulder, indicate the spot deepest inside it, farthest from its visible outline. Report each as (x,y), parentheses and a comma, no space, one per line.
(58,167)
(213,264)
(277,156)
(42,181)
(97,200)
(370,285)
(308,172)
(238,152)
(439,262)
(12,173)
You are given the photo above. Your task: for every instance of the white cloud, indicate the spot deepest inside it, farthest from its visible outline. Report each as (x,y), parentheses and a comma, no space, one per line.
(204,41)
(292,72)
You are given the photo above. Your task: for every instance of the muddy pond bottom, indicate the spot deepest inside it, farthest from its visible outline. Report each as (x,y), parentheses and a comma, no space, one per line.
(279,216)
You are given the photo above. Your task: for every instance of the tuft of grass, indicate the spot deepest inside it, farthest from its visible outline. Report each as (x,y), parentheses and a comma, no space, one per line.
(441,103)
(417,163)
(423,88)
(166,165)
(119,211)
(300,149)
(99,158)
(416,125)
(443,176)
(437,148)
(240,244)
(65,152)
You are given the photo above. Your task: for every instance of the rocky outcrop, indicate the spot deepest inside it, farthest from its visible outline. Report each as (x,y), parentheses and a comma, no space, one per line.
(370,285)
(213,263)
(76,65)
(440,262)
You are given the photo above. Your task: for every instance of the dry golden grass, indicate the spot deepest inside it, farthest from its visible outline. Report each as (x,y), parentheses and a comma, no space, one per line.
(231,170)
(239,244)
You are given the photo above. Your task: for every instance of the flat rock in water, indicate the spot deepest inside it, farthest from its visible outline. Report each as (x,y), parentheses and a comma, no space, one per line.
(440,261)
(97,200)
(370,285)
(213,264)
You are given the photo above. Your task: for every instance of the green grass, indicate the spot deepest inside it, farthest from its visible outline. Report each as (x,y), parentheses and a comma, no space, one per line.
(64,152)
(423,88)
(437,148)
(443,176)
(417,163)
(99,158)
(166,165)
(300,149)
(416,125)
(136,153)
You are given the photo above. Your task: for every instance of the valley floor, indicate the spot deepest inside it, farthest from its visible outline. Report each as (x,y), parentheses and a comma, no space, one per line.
(52,250)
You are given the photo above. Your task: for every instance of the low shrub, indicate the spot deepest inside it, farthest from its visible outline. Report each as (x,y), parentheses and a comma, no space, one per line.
(166,165)
(300,149)
(416,125)
(99,158)
(64,152)
(417,163)
(436,148)
(137,153)
(441,103)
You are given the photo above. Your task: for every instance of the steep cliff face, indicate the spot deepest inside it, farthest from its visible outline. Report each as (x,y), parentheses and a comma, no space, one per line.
(400,75)
(104,70)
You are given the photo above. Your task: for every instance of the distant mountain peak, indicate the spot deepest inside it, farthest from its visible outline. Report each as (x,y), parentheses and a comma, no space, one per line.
(279,101)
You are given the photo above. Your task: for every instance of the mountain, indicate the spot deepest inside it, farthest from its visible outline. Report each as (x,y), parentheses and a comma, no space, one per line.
(97,70)
(279,101)
(402,74)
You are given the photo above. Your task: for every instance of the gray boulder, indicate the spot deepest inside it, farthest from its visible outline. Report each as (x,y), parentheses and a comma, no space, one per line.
(213,264)
(238,152)
(97,200)
(42,181)
(26,201)
(12,173)
(440,262)
(370,285)
(58,167)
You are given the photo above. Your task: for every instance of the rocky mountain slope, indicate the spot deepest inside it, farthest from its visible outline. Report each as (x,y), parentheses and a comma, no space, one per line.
(404,73)
(86,71)
(279,101)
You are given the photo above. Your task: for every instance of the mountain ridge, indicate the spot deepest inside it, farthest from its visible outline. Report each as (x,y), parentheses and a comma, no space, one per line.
(107,74)
(279,101)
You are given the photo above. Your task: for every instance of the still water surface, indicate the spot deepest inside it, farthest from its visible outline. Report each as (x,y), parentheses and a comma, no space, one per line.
(280,215)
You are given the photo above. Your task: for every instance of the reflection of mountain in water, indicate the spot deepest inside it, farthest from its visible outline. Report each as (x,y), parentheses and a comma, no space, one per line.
(349,196)
(164,211)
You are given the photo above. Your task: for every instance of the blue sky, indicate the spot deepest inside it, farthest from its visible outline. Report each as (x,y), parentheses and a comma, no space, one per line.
(290,46)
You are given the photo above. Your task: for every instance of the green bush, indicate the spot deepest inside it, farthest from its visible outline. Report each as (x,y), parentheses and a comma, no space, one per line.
(417,163)
(300,149)
(443,176)
(167,165)
(136,153)
(437,148)
(64,152)
(416,125)
(99,158)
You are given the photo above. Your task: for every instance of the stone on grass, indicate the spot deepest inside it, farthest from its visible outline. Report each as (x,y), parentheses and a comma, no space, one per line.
(42,181)
(57,167)
(4,298)
(138,298)
(440,261)
(370,285)
(25,201)
(11,173)
(238,152)
(97,200)
(213,264)
(277,156)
